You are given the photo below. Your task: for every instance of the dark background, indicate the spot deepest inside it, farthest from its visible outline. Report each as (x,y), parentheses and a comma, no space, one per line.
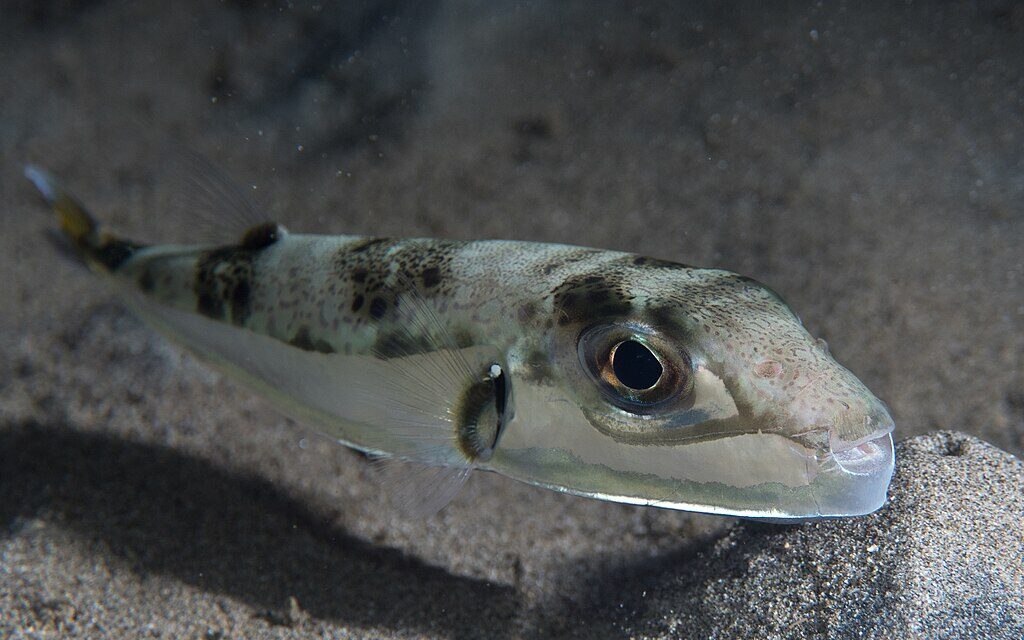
(865,162)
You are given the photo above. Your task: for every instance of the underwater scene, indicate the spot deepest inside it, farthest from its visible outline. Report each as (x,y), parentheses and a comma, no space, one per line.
(469,319)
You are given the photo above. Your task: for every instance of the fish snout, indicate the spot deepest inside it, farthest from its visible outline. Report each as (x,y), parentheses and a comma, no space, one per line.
(854,475)
(860,441)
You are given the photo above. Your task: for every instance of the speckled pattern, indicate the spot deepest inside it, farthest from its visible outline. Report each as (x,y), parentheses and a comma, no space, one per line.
(342,295)
(734,363)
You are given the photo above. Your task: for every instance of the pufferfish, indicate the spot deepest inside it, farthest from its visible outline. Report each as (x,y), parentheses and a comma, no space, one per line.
(595,373)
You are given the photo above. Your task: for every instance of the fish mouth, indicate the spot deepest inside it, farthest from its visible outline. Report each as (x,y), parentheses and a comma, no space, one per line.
(865,457)
(865,454)
(854,475)
(849,465)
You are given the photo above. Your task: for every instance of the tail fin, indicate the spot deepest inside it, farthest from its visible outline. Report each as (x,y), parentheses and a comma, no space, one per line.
(96,247)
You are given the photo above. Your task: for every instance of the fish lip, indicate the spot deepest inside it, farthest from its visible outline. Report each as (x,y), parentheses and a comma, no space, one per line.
(868,454)
(850,477)
(864,457)
(854,479)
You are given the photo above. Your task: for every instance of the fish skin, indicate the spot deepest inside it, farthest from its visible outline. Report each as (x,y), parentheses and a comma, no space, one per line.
(773,428)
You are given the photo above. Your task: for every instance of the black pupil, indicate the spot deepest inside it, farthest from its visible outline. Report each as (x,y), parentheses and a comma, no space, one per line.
(635,366)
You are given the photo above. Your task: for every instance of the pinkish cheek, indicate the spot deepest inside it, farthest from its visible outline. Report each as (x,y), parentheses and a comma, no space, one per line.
(768,369)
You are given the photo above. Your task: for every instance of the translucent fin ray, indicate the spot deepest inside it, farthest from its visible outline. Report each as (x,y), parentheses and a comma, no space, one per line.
(426,382)
(213,206)
(418,490)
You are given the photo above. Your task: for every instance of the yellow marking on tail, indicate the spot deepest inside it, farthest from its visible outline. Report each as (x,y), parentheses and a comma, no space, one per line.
(98,248)
(75,221)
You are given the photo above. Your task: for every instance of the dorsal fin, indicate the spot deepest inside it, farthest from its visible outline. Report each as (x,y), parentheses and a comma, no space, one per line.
(214,207)
(261,236)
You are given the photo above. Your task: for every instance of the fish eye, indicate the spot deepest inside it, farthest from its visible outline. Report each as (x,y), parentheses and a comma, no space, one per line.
(633,367)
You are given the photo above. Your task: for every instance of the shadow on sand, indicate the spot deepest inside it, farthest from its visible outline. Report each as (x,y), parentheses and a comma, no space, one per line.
(166,512)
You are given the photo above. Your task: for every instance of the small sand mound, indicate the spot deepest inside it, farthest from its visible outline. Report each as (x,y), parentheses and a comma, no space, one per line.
(944,560)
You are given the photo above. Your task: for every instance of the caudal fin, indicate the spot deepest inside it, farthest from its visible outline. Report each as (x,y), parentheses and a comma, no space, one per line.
(96,247)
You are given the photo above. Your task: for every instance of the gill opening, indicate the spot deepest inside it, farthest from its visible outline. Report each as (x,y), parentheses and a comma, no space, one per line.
(482,413)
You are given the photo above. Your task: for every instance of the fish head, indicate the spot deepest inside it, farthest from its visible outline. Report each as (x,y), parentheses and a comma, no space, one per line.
(695,389)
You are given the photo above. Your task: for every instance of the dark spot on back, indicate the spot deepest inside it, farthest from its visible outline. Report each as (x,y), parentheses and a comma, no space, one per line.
(655,263)
(114,252)
(661,316)
(223,282)
(210,305)
(380,271)
(583,298)
(303,340)
(378,307)
(431,277)
(261,236)
(240,301)
(669,317)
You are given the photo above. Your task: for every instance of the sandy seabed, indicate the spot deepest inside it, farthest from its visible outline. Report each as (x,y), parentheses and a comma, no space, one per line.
(866,163)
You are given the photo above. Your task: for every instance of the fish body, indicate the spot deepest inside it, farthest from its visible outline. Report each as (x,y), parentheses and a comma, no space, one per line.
(597,373)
